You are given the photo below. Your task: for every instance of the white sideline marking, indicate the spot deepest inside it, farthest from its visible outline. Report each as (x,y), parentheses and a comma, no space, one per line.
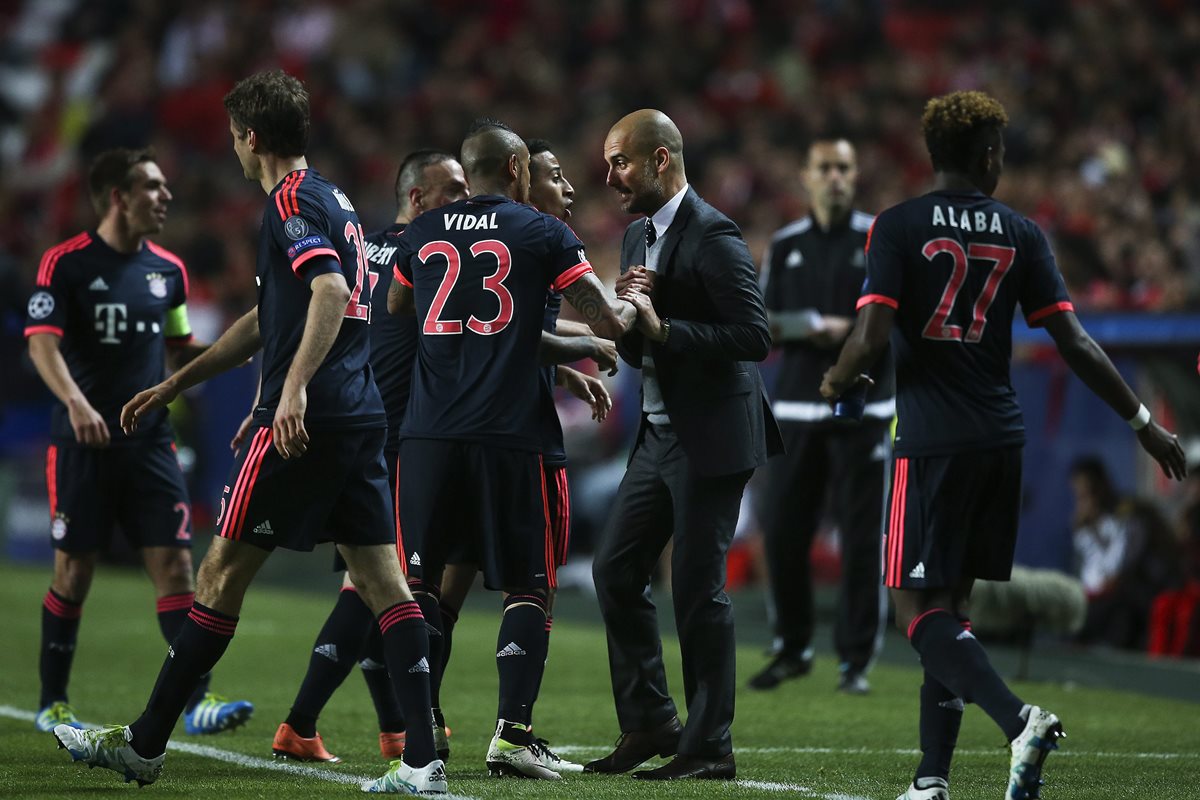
(240,759)
(803,791)
(571,749)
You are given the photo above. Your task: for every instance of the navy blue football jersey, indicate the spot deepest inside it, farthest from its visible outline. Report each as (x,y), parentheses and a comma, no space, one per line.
(110,309)
(310,228)
(480,269)
(393,336)
(554,452)
(955,265)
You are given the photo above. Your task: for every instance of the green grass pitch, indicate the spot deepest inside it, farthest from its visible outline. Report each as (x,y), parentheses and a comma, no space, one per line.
(804,740)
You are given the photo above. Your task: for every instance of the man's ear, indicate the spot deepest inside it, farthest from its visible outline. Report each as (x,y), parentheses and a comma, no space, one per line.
(252,140)
(514,167)
(662,159)
(115,200)
(416,197)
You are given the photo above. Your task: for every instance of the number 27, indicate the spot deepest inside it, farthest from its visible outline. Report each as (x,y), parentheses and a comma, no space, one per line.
(1001,257)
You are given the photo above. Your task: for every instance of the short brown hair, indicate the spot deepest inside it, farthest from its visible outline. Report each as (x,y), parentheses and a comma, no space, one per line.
(953,124)
(275,106)
(113,169)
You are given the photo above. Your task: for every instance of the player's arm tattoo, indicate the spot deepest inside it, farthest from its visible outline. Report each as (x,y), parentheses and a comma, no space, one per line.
(605,314)
(400,299)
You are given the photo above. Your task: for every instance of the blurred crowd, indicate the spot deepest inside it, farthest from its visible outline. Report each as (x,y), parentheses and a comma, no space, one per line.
(1104,99)
(1139,564)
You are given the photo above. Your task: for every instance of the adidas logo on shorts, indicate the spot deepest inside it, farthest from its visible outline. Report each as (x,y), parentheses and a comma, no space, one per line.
(414,560)
(264,528)
(327,650)
(510,649)
(964,635)
(420,666)
(918,571)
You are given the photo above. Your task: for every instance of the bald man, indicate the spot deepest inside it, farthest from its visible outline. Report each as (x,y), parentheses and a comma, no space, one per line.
(705,427)
(477,272)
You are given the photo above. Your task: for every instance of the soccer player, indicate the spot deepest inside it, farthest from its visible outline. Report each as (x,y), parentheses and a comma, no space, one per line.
(108,306)
(945,273)
(477,272)
(427,179)
(314,466)
(563,341)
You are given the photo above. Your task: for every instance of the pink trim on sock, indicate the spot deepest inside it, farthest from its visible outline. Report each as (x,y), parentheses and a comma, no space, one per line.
(912,626)
(401,612)
(175,602)
(222,626)
(61,607)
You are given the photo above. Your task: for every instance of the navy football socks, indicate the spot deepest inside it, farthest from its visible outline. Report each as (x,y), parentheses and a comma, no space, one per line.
(941,718)
(60,629)
(379,684)
(406,646)
(337,648)
(953,656)
(428,597)
(172,611)
(201,642)
(520,656)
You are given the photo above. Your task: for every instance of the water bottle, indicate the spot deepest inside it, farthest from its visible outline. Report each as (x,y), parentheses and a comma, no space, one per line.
(848,410)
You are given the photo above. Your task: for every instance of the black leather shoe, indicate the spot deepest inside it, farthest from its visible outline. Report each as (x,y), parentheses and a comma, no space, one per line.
(721,769)
(635,747)
(782,667)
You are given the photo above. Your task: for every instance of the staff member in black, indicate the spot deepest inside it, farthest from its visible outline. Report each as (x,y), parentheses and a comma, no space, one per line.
(813,273)
(706,426)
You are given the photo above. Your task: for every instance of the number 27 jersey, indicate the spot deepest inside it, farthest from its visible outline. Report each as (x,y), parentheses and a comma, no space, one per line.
(955,265)
(479,270)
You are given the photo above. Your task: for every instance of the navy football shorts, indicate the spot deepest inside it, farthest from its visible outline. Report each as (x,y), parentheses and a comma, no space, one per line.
(463,502)
(952,517)
(337,491)
(138,487)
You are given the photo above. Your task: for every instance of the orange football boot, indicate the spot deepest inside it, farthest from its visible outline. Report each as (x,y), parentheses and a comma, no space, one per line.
(288,744)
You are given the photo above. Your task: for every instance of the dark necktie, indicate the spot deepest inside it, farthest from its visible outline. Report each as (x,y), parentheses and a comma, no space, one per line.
(651,234)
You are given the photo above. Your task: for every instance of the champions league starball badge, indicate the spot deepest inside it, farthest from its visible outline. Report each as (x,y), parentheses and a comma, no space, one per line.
(41,305)
(295,227)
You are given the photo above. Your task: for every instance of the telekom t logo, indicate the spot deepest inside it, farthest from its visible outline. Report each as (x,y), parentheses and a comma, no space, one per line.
(110,320)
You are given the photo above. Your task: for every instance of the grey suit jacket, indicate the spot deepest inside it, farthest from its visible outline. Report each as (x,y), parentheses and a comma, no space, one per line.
(707,286)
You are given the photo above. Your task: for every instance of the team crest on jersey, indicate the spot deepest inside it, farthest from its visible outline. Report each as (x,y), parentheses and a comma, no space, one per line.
(58,527)
(158,285)
(41,305)
(295,227)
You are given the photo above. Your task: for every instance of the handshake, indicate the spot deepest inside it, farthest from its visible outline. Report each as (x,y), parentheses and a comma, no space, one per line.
(636,287)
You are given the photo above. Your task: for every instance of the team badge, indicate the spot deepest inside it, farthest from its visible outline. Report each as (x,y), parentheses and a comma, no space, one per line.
(158,285)
(58,528)
(295,228)
(41,305)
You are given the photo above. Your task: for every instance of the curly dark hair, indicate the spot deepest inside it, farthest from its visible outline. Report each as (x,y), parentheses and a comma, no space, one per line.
(275,106)
(953,124)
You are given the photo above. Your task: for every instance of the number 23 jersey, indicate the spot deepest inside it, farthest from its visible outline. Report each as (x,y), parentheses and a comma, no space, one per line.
(310,228)
(955,265)
(479,270)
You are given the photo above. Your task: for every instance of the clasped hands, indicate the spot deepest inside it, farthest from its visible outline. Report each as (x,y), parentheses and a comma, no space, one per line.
(636,286)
